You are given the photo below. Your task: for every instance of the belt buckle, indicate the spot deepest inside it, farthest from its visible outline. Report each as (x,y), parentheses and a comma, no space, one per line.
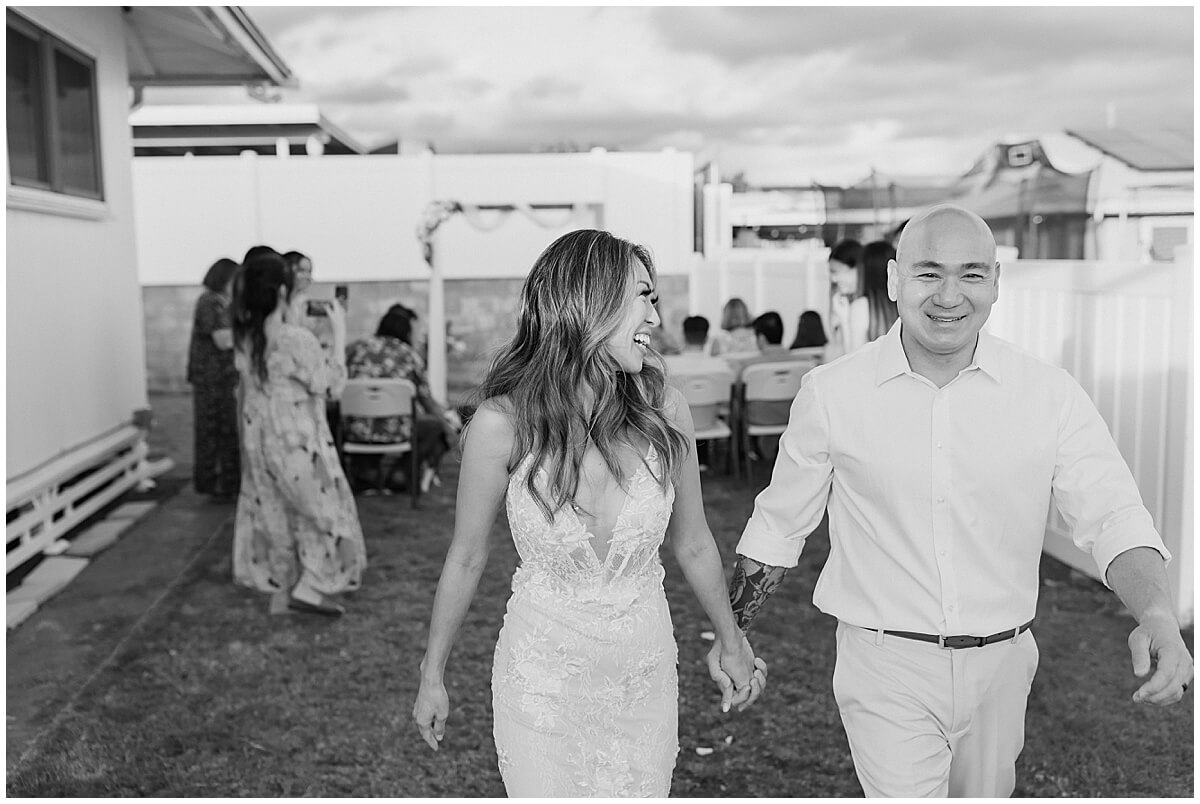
(955,642)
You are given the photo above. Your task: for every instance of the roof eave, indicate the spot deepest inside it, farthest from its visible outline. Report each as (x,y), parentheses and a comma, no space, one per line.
(243,30)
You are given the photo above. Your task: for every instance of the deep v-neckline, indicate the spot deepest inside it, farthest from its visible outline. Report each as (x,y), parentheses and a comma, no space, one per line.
(592,539)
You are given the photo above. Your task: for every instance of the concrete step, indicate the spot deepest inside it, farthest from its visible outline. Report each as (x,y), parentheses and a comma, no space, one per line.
(45,581)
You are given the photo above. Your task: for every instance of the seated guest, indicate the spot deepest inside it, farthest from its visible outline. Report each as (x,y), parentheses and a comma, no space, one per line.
(768,336)
(693,358)
(810,332)
(390,353)
(768,329)
(736,334)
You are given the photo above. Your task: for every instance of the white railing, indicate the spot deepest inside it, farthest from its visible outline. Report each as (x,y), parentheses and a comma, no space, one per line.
(1124,331)
(48,502)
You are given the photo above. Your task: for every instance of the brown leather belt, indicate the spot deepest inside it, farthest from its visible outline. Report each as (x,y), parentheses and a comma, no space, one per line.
(955,642)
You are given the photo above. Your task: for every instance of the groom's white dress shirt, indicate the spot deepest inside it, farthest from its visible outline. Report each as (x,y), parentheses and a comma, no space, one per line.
(938,497)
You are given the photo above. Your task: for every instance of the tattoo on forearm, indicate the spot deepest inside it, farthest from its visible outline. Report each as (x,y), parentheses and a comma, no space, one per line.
(752,584)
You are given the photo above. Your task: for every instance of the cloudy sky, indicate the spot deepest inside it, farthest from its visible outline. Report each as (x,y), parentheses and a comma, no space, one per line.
(785,94)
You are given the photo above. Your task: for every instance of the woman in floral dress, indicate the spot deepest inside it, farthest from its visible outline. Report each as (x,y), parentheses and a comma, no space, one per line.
(594,454)
(297,534)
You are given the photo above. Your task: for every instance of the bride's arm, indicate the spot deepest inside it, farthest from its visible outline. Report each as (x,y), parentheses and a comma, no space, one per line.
(731,658)
(481,486)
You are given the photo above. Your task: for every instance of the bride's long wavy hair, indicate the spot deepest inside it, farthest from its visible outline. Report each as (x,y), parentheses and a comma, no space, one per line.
(571,303)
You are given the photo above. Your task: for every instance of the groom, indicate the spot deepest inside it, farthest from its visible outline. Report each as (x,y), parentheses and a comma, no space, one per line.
(937,450)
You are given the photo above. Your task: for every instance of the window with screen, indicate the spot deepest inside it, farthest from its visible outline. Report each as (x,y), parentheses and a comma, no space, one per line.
(53,139)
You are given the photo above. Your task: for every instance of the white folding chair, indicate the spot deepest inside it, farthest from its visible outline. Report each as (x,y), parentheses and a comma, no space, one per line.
(706,394)
(765,399)
(371,398)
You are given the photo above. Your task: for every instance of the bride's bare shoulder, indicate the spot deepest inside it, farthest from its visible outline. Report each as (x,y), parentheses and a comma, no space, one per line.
(493,426)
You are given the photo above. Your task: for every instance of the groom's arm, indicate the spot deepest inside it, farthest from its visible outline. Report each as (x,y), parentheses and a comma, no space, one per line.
(752,583)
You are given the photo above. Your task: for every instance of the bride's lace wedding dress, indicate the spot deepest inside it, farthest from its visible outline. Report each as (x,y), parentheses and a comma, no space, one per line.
(584,689)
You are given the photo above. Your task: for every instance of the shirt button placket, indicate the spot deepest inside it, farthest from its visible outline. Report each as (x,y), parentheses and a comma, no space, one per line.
(941,510)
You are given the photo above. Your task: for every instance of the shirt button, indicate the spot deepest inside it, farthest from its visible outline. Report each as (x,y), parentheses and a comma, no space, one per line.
(941,499)
(950,607)
(939,445)
(941,552)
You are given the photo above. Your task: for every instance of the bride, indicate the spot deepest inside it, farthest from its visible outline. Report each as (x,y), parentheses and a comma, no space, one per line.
(594,456)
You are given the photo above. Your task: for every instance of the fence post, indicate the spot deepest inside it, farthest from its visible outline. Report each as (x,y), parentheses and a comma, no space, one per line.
(1178,525)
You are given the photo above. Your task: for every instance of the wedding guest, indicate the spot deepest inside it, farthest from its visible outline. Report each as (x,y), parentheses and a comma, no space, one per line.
(736,334)
(844,280)
(693,357)
(868,312)
(938,450)
(296,534)
(810,331)
(579,434)
(216,466)
(390,353)
(881,310)
(768,342)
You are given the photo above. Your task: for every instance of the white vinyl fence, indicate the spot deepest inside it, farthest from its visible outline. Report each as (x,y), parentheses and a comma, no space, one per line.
(1123,330)
(787,281)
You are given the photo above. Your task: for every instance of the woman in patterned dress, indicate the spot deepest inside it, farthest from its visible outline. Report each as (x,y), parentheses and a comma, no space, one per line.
(594,456)
(210,370)
(390,353)
(297,534)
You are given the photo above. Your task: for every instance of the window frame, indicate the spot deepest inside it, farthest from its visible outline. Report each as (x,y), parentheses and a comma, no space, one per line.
(55,194)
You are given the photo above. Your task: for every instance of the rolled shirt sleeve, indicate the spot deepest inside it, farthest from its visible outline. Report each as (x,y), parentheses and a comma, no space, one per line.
(1093,488)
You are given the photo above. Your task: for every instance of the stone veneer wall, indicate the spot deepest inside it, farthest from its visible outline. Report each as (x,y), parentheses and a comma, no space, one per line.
(482,315)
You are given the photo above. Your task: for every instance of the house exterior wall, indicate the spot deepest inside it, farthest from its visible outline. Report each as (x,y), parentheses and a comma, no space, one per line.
(1127,205)
(75,353)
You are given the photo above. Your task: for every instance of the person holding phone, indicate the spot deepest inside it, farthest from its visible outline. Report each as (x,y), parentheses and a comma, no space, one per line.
(297,535)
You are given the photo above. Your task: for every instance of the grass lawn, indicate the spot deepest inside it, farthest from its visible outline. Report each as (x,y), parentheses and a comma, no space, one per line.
(216,698)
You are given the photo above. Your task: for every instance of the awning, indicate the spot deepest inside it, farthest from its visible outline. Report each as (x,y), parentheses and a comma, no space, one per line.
(1042,191)
(211,130)
(198,46)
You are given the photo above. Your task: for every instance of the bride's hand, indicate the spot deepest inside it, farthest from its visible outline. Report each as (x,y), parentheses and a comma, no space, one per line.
(430,711)
(740,676)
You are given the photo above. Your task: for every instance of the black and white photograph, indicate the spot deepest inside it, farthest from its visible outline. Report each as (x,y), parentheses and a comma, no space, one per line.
(715,401)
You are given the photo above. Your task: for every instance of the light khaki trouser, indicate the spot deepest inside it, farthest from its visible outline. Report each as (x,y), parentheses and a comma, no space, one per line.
(928,721)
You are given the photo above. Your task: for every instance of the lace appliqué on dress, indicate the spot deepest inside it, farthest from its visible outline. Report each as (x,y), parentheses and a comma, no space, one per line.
(584,682)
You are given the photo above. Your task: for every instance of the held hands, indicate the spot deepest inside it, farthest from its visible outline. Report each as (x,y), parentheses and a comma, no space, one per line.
(737,672)
(430,711)
(1157,640)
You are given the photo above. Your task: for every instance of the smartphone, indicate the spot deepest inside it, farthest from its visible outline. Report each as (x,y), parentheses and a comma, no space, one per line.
(341,293)
(318,307)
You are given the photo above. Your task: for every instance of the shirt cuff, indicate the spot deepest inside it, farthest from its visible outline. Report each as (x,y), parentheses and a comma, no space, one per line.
(767,548)
(1125,531)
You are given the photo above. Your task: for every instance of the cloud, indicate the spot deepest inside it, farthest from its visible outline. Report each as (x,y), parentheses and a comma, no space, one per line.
(916,85)
(942,34)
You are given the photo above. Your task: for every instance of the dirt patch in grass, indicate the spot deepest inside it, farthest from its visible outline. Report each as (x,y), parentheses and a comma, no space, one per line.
(216,698)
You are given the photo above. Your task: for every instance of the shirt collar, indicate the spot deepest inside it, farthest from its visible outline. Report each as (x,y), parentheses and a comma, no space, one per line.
(891,361)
